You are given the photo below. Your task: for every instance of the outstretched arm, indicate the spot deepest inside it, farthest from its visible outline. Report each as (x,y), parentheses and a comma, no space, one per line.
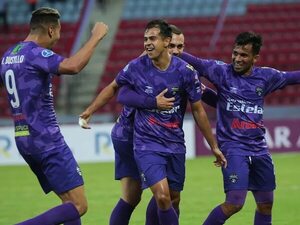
(209,96)
(103,97)
(79,60)
(202,122)
(129,97)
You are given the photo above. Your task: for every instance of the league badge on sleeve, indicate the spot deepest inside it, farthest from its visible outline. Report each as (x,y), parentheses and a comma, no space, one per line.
(47,53)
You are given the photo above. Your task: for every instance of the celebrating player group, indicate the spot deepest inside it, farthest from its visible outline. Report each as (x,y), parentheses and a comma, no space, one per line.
(148,136)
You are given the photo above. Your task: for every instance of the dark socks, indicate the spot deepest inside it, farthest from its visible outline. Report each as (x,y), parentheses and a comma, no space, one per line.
(216,217)
(121,213)
(261,219)
(60,214)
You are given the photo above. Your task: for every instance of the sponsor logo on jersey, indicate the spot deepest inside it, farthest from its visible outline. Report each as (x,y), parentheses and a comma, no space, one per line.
(164,112)
(240,124)
(47,53)
(171,125)
(234,105)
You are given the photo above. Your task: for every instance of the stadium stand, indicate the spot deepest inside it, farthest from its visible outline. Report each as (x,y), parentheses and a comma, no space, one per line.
(276,20)
(18,18)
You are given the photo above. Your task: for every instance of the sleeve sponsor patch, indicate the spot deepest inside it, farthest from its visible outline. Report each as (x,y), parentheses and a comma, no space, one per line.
(47,53)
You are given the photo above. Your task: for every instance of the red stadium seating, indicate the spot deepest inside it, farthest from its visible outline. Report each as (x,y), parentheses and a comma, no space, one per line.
(278,24)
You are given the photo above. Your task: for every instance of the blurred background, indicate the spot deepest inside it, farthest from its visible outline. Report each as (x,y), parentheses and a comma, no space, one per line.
(209,26)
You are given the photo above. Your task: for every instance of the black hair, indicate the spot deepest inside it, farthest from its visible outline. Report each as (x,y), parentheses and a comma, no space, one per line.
(42,17)
(163,26)
(245,38)
(175,29)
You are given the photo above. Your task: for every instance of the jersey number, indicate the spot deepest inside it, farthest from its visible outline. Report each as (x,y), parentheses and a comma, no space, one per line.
(10,83)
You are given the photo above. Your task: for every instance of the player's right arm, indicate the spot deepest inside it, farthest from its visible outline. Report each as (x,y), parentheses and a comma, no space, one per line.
(102,98)
(209,96)
(79,60)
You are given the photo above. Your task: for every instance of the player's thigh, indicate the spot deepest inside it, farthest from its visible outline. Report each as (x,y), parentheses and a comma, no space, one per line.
(176,171)
(125,165)
(262,175)
(236,174)
(152,167)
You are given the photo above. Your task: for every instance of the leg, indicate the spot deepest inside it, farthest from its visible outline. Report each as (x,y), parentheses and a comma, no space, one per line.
(262,180)
(58,171)
(131,196)
(151,213)
(175,196)
(126,171)
(264,203)
(235,178)
(234,203)
(166,212)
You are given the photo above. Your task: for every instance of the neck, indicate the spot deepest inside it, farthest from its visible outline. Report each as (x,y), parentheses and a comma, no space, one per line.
(38,39)
(162,62)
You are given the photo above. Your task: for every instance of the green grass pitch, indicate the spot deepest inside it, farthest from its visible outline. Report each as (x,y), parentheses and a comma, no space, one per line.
(21,196)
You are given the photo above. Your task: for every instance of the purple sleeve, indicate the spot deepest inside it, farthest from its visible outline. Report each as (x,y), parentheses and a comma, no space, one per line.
(210,97)
(281,79)
(129,97)
(46,60)
(292,77)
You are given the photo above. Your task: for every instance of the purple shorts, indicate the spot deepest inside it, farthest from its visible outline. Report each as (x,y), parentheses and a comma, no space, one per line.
(56,170)
(155,166)
(125,165)
(254,173)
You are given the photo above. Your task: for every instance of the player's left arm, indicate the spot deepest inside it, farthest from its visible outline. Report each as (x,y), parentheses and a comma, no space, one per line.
(280,79)
(292,77)
(203,124)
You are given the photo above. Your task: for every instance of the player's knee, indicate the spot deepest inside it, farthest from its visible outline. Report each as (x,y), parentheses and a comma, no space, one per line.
(81,207)
(265,208)
(230,209)
(163,201)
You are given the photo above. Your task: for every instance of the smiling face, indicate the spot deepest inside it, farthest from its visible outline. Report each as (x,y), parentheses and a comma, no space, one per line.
(176,45)
(243,59)
(154,43)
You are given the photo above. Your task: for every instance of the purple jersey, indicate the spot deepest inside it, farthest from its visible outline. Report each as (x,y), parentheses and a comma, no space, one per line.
(240,128)
(123,128)
(26,71)
(157,130)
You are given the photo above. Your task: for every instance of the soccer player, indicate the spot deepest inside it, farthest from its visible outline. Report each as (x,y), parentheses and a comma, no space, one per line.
(26,71)
(159,148)
(241,88)
(122,137)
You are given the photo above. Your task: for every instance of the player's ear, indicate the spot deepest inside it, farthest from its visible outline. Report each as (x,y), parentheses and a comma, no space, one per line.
(50,31)
(255,58)
(167,41)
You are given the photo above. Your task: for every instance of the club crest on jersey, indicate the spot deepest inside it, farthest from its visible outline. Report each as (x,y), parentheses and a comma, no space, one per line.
(47,53)
(233,178)
(259,91)
(190,67)
(174,90)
